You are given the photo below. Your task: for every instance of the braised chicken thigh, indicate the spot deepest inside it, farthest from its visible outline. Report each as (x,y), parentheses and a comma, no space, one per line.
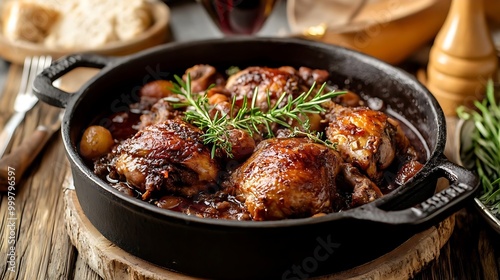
(269,84)
(368,139)
(264,82)
(287,178)
(166,156)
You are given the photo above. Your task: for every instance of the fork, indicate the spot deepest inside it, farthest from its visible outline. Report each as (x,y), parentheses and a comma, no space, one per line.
(25,99)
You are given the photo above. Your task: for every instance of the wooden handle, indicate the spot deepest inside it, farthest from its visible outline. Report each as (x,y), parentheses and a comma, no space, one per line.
(21,157)
(462,58)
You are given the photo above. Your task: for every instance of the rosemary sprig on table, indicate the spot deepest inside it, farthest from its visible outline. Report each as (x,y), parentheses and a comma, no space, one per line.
(485,148)
(250,117)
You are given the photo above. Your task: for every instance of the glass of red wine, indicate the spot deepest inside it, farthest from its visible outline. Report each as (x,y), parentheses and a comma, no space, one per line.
(239,17)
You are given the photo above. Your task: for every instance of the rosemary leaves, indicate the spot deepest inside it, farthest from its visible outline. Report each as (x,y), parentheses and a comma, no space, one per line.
(485,148)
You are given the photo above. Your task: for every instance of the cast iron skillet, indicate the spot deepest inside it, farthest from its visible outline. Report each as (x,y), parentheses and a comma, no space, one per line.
(287,249)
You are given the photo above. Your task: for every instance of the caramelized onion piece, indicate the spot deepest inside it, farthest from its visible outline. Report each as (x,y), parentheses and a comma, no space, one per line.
(242,144)
(96,142)
(157,89)
(407,171)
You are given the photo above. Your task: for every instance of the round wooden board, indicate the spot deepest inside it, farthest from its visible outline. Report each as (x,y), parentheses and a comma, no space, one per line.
(156,34)
(111,262)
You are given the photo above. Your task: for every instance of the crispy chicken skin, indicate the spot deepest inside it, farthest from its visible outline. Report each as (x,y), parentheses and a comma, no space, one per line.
(274,81)
(271,83)
(168,155)
(367,138)
(286,178)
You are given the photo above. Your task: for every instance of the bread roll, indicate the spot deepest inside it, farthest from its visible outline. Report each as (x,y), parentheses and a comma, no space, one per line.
(28,21)
(133,20)
(93,23)
(76,24)
(81,30)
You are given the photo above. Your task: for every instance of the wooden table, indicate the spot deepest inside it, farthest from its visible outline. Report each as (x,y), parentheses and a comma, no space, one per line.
(43,249)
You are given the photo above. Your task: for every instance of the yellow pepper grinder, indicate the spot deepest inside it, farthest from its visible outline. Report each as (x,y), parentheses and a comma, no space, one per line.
(462,57)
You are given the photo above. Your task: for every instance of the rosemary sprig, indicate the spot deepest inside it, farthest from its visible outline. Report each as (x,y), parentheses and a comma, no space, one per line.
(250,117)
(485,148)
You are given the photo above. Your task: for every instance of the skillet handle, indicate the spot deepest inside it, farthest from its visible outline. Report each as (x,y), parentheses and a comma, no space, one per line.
(42,85)
(463,184)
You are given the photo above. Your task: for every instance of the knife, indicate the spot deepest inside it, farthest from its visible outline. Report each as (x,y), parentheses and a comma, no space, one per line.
(21,157)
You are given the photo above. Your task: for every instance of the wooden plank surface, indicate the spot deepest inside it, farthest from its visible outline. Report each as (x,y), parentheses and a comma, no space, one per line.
(42,248)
